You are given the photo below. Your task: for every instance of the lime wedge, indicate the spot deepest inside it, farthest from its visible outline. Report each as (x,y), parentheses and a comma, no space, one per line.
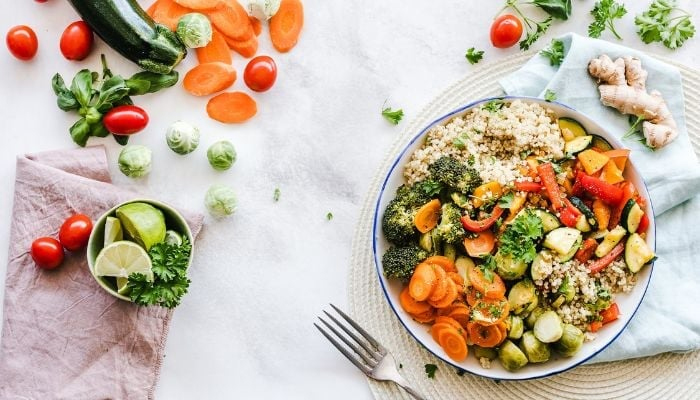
(142,222)
(121,259)
(113,231)
(121,285)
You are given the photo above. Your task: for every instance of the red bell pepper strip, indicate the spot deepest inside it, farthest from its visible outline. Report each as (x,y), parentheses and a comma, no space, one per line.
(600,264)
(526,186)
(643,224)
(549,180)
(568,217)
(484,224)
(586,251)
(628,191)
(595,326)
(610,314)
(609,194)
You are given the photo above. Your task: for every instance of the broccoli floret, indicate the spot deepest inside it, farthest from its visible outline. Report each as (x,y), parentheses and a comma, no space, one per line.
(455,174)
(412,196)
(399,262)
(397,223)
(450,229)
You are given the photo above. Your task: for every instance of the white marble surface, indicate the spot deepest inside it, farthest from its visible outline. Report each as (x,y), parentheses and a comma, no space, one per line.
(245,330)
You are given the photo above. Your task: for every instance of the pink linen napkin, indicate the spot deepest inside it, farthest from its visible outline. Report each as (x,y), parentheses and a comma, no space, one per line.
(63,336)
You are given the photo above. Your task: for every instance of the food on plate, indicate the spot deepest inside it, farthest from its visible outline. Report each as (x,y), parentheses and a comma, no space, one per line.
(209,78)
(125,120)
(231,107)
(194,30)
(221,155)
(220,201)
(506,31)
(182,138)
(286,25)
(47,252)
(76,41)
(126,28)
(622,85)
(260,73)
(514,230)
(263,9)
(75,232)
(135,161)
(22,42)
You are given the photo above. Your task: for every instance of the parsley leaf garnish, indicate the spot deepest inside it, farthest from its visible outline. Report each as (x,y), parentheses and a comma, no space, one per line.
(604,13)
(474,56)
(329,216)
(555,52)
(488,266)
(430,370)
(520,237)
(431,187)
(549,95)
(532,36)
(393,116)
(657,25)
(276,195)
(460,141)
(506,200)
(493,105)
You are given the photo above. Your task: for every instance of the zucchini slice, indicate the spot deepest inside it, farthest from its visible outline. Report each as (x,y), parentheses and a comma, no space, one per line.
(562,240)
(632,215)
(572,252)
(582,224)
(637,253)
(601,144)
(549,221)
(574,127)
(590,217)
(577,144)
(610,240)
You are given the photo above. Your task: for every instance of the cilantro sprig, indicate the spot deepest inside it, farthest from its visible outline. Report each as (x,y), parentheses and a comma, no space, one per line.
(604,13)
(474,56)
(658,24)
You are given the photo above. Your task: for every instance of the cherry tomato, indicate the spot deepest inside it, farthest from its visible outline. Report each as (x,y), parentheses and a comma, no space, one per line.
(75,232)
(125,120)
(260,73)
(22,42)
(506,31)
(47,252)
(76,41)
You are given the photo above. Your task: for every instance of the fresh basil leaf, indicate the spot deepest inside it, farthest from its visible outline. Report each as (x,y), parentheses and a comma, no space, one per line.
(92,116)
(99,130)
(80,132)
(113,90)
(137,87)
(121,139)
(82,87)
(560,9)
(64,97)
(155,81)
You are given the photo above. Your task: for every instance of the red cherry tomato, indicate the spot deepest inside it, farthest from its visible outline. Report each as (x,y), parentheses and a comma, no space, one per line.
(47,252)
(506,31)
(125,120)
(76,41)
(260,73)
(22,42)
(75,232)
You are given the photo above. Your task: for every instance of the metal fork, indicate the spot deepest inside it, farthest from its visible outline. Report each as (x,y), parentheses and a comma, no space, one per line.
(371,357)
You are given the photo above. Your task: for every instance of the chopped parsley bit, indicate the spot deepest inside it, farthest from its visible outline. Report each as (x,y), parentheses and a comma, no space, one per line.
(635,131)
(460,372)
(604,13)
(460,141)
(549,95)
(493,105)
(431,187)
(555,52)
(524,154)
(393,116)
(564,287)
(430,370)
(495,311)
(471,160)
(506,200)
(329,216)
(474,56)
(488,266)
(276,194)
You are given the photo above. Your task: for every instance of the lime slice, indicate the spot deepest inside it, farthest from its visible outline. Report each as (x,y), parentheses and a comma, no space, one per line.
(113,231)
(121,285)
(143,222)
(123,258)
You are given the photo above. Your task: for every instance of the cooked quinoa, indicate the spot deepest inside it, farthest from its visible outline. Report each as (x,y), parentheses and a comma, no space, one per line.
(493,142)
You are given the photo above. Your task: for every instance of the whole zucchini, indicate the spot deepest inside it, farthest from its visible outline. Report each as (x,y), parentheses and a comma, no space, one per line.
(126,28)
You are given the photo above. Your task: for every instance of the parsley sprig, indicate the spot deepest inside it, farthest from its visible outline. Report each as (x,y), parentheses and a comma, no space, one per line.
(657,24)
(555,52)
(557,9)
(520,237)
(474,56)
(550,95)
(393,116)
(430,369)
(604,13)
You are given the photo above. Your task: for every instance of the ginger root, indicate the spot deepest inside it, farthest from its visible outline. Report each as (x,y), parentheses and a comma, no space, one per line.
(622,85)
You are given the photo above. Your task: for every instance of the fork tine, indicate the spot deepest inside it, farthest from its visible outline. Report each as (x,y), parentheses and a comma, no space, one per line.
(365,369)
(359,329)
(352,335)
(370,361)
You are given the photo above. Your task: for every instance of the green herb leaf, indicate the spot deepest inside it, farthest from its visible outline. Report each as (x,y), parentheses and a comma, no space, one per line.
(430,369)
(555,52)
(533,36)
(493,105)
(98,130)
(488,266)
(393,116)
(521,237)
(474,56)
(82,87)
(64,97)
(329,216)
(658,24)
(80,131)
(150,82)
(560,9)
(506,200)
(549,95)
(121,139)
(604,13)
(276,195)
(170,282)
(460,141)
(431,187)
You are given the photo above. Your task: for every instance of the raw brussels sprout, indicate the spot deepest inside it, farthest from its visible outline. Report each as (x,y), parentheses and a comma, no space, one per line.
(535,350)
(135,161)
(570,342)
(182,137)
(522,297)
(263,9)
(194,30)
(511,357)
(220,201)
(221,155)
(548,327)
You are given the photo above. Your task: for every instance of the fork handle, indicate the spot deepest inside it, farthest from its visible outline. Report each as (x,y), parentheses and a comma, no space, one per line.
(411,391)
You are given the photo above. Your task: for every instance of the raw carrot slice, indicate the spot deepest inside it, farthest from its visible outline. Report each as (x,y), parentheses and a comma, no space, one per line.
(256,24)
(427,216)
(152,8)
(232,20)
(410,305)
(494,288)
(424,318)
(422,282)
(444,262)
(480,244)
(208,78)
(246,48)
(484,336)
(232,107)
(168,13)
(199,4)
(453,343)
(448,298)
(285,26)
(440,289)
(216,50)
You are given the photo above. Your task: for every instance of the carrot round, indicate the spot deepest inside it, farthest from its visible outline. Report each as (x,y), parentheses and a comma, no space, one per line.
(449,297)
(473,296)
(461,315)
(215,51)
(480,244)
(247,48)
(424,318)
(484,336)
(256,24)
(437,327)
(150,11)
(427,216)
(453,343)
(285,26)
(168,13)
(494,288)
(232,20)
(440,289)
(422,282)
(444,262)
(410,305)
(232,107)
(199,4)
(457,279)
(489,311)
(208,78)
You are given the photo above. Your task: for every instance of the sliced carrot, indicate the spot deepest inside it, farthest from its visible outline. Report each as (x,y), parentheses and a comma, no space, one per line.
(457,279)
(168,13)
(232,20)
(208,78)
(422,282)
(480,244)
(504,330)
(437,327)
(452,322)
(489,311)
(493,289)
(427,216)
(410,305)
(152,8)
(426,317)
(453,343)
(216,51)
(440,289)
(444,262)
(448,298)
(247,48)
(483,335)
(285,26)
(199,4)
(256,24)
(461,315)
(232,107)
(473,296)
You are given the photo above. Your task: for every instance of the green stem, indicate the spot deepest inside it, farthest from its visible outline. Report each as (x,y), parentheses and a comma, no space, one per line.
(612,29)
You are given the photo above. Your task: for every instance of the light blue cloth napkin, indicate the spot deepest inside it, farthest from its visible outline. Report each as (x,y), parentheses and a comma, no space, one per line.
(669,317)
